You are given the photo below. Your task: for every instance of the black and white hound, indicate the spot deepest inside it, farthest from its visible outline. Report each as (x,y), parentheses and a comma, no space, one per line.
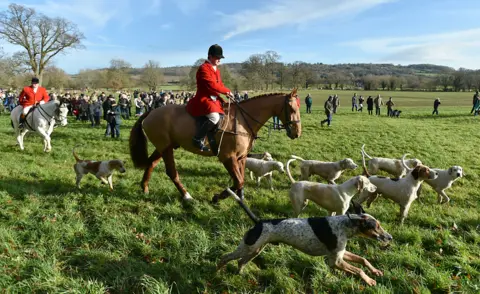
(316,236)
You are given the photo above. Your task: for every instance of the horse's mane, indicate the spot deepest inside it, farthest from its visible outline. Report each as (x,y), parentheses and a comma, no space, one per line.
(263,95)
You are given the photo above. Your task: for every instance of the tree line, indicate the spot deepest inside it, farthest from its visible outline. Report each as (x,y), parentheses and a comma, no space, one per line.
(266,72)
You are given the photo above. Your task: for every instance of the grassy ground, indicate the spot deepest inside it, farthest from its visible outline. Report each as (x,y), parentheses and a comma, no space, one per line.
(56,239)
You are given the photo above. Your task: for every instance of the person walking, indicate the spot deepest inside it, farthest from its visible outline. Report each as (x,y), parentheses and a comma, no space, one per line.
(335,103)
(354,102)
(476,97)
(436,103)
(390,104)
(360,103)
(328,111)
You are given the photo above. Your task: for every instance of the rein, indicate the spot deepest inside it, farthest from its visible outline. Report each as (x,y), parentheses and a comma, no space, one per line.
(288,123)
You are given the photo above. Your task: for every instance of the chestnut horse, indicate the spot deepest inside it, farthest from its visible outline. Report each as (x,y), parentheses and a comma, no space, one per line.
(171,126)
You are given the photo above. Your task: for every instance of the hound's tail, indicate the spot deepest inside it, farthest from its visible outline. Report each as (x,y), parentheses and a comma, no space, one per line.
(138,144)
(288,170)
(75,154)
(252,216)
(365,171)
(296,157)
(363,151)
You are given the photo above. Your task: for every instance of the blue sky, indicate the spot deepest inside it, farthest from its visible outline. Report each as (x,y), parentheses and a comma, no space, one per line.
(178,32)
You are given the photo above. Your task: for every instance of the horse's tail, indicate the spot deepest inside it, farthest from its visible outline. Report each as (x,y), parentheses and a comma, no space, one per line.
(138,144)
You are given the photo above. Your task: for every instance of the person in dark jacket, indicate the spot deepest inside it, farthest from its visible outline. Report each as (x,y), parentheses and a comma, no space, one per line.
(114,119)
(370,105)
(308,103)
(328,111)
(436,103)
(107,106)
(476,97)
(360,103)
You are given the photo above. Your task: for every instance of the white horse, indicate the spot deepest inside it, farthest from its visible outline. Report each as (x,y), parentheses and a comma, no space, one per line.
(42,120)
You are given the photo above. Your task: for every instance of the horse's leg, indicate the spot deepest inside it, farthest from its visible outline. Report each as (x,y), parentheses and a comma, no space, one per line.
(234,170)
(20,136)
(241,165)
(173,174)
(46,139)
(154,159)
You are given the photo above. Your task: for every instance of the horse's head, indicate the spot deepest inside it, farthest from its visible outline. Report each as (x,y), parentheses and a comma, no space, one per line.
(61,112)
(290,116)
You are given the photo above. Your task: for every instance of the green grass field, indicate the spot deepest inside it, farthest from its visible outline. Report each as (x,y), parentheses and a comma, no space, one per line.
(56,239)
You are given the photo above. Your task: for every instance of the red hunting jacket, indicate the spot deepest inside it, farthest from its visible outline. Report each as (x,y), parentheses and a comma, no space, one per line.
(209,83)
(28,97)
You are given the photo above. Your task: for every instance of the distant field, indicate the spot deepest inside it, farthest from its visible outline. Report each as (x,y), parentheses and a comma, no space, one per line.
(56,239)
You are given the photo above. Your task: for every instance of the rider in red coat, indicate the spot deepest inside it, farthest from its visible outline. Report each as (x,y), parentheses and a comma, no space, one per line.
(30,96)
(207,101)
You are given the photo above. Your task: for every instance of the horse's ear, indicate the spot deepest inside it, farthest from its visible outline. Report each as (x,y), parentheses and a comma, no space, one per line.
(294,92)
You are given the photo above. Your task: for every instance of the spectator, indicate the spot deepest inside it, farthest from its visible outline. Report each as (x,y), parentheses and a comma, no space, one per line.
(436,103)
(390,104)
(123,106)
(139,106)
(107,107)
(378,102)
(245,96)
(354,102)
(476,97)
(97,110)
(114,120)
(370,105)
(336,103)
(328,111)
(360,103)
(308,103)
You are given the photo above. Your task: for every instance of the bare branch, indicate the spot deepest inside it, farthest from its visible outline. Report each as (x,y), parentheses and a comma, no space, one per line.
(42,37)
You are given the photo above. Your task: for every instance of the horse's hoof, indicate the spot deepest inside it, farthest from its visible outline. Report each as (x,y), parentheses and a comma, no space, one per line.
(187,197)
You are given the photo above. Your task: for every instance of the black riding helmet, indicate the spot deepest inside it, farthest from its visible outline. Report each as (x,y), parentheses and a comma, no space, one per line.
(216,51)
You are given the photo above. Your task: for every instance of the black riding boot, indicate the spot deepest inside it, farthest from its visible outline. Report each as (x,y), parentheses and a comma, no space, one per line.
(21,121)
(200,135)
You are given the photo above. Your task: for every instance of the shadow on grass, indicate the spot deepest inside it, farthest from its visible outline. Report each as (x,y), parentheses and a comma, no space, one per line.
(127,275)
(19,188)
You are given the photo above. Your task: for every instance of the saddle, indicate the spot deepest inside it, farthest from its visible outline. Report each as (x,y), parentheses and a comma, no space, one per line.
(22,123)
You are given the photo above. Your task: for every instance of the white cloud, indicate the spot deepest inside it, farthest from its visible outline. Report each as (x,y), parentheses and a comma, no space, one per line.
(288,12)
(166,26)
(189,6)
(455,49)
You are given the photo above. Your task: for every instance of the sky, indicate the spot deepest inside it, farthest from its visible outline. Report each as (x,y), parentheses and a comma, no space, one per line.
(178,32)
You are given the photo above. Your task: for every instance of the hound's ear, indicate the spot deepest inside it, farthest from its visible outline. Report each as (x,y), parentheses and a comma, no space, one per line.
(416,172)
(359,183)
(450,171)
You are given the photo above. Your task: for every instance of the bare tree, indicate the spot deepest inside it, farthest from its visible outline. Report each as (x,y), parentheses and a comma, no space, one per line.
(117,75)
(42,37)
(252,70)
(190,81)
(152,75)
(55,77)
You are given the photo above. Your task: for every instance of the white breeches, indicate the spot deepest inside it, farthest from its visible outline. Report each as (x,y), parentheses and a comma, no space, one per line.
(214,117)
(26,109)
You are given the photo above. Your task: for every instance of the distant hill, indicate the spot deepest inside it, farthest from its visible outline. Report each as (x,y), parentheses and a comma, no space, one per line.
(176,73)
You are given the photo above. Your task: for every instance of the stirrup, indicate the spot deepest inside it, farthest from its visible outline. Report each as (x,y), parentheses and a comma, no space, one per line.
(200,145)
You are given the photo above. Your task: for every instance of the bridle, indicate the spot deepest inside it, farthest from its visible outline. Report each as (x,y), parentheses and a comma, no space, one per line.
(288,123)
(56,113)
